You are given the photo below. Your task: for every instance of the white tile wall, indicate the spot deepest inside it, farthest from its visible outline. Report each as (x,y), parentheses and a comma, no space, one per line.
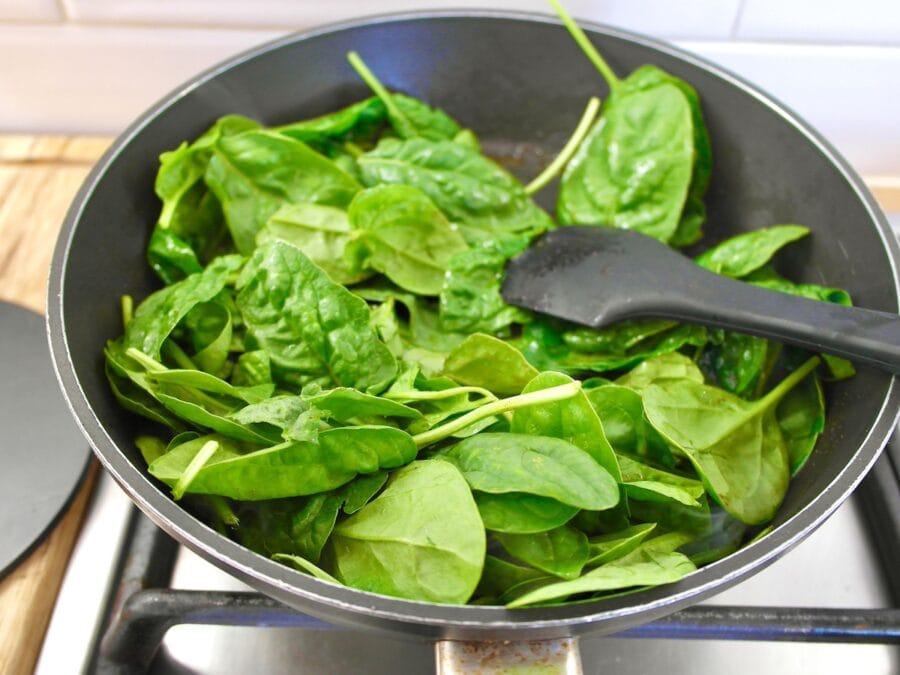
(836,21)
(712,19)
(93,65)
(91,79)
(30,10)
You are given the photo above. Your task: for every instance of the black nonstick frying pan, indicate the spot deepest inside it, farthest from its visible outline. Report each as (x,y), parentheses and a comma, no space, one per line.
(521,84)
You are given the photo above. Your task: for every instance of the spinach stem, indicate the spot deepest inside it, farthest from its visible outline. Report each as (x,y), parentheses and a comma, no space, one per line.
(558,393)
(127,303)
(353,149)
(192,469)
(381,92)
(552,169)
(788,383)
(413,395)
(178,355)
(582,41)
(223,509)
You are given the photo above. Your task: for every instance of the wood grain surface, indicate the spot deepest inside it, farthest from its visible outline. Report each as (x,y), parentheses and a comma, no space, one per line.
(38,179)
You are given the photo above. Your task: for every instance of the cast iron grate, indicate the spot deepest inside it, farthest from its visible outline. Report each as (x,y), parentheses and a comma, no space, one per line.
(144,608)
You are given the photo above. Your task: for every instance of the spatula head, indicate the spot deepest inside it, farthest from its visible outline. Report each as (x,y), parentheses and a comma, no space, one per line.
(595,275)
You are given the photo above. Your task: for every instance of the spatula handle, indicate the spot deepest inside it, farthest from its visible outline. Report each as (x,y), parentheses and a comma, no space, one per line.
(861,335)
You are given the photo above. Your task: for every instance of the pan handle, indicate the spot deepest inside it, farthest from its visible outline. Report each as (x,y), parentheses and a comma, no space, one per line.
(459,657)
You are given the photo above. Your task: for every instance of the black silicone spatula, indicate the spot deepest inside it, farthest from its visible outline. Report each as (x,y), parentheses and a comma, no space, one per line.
(597,275)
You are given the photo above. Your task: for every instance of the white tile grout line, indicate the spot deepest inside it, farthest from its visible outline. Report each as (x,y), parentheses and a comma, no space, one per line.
(738,17)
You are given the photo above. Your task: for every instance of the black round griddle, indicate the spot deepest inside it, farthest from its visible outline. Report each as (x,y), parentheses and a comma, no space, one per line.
(43,456)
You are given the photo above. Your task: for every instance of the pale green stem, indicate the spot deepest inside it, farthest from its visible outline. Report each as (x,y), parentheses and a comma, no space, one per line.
(223,509)
(151,365)
(127,303)
(582,41)
(557,393)
(414,395)
(788,383)
(190,472)
(380,91)
(553,169)
(178,355)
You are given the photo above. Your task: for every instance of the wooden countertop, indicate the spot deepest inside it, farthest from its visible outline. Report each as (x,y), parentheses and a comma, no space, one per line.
(39,176)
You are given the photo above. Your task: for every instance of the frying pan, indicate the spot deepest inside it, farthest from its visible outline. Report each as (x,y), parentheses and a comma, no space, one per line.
(520,83)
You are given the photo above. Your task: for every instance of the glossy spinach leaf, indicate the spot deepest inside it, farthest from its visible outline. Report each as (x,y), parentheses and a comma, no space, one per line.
(470,189)
(292,468)
(621,412)
(484,361)
(646,483)
(745,253)
(345,403)
(321,232)
(309,325)
(471,299)
(158,315)
(252,368)
(573,420)
(210,329)
(402,234)
(522,513)
(301,526)
(607,547)
(358,121)
(663,366)
(801,417)
(739,362)
(562,551)
(255,173)
(190,225)
(500,576)
(543,345)
(652,563)
(403,544)
(634,169)
(539,465)
(735,446)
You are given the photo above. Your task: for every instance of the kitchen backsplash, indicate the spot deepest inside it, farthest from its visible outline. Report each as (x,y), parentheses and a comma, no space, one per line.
(91,66)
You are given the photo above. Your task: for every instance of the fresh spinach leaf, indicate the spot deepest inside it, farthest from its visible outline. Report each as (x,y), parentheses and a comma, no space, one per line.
(562,551)
(471,190)
(735,446)
(402,234)
(308,324)
(573,420)
(538,465)
(801,417)
(484,361)
(745,253)
(345,403)
(158,315)
(292,468)
(403,544)
(607,547)
(471,299)
(255,173)
(321,232)
(522,513)
(650,564)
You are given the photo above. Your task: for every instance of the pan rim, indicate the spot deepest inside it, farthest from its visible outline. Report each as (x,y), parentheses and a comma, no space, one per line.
(345,605)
